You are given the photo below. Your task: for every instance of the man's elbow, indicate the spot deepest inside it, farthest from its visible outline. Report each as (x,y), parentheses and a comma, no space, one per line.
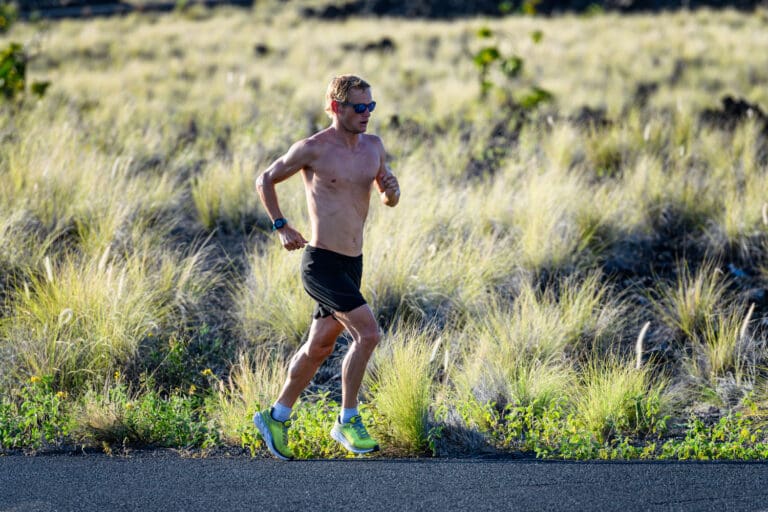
(262,180)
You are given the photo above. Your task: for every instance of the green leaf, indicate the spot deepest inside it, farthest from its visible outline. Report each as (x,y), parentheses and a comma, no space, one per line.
(486,56)
(529,7)
(534,97)
(512,66)
(13,67)
(537,36)
(484,32)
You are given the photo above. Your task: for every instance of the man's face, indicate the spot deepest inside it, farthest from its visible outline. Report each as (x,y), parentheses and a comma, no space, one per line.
(351,121)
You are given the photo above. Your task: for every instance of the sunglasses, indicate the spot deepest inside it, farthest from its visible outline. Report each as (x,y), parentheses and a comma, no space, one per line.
(359,108)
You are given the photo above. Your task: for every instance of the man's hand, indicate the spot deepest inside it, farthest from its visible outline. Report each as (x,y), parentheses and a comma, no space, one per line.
(390,194)
(290,238)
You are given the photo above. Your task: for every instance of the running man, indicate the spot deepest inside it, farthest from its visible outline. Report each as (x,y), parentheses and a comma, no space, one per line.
(339,165)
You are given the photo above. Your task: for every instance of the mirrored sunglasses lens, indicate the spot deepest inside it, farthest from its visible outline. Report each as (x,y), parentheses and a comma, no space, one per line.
(360,107)
(371,106)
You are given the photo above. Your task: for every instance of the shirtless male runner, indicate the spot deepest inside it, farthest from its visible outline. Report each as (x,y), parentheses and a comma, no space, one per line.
(339,166)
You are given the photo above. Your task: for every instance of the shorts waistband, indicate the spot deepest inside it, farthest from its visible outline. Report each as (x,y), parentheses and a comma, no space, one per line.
(327,252)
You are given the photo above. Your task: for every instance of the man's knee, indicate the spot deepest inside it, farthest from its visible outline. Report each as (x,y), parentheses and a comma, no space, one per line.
(369,338)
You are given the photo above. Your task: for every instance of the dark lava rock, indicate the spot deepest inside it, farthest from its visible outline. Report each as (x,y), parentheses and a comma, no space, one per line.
(449,9)
(591,118)
(733,112)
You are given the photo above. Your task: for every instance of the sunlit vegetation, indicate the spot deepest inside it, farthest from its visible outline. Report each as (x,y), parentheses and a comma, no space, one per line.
(566,181)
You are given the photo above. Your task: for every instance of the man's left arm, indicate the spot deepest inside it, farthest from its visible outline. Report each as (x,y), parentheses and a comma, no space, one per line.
(389,188)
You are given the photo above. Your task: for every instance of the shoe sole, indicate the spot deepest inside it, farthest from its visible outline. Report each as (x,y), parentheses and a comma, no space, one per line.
(267,436)
(338,436)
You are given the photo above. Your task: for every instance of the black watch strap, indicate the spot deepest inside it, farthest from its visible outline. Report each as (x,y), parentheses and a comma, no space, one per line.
(279,223)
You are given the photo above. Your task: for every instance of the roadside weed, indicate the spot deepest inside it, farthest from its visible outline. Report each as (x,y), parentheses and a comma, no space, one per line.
(36,416)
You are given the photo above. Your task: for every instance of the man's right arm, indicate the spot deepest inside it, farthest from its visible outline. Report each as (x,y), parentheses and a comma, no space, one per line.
(298,157)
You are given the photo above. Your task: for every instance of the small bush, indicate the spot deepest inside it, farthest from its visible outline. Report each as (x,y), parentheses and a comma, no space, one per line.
(118,416)
(733,437)
(35,417)
(13,69)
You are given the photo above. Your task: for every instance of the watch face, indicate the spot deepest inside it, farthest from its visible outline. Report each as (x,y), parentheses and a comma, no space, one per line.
(279,223)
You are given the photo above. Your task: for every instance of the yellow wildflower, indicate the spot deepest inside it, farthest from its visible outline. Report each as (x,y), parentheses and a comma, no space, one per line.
(192,389)
(208,372)
(61,395)
(34,379)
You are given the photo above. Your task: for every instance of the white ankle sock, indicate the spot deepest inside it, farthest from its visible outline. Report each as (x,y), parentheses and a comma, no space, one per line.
(348,414)
(280,412)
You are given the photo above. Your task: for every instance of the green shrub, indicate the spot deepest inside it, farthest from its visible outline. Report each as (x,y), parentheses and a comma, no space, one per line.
(118,416)
(732,437)
(13,71)
(34,417)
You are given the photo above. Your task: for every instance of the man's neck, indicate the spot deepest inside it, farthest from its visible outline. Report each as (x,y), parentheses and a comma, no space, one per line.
(349,139)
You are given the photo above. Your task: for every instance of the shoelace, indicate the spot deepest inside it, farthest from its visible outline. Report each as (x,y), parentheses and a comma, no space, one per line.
(359,428)
(286,424)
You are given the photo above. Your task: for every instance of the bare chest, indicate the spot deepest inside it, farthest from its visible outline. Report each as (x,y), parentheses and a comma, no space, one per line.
(345,170)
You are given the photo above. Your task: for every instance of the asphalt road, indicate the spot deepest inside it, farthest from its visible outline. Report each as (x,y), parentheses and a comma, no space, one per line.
(169,483)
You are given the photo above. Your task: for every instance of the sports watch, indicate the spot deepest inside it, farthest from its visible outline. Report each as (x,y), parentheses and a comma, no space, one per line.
(279,223)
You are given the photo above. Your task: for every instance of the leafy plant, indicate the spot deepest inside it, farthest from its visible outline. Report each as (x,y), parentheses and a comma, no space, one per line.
(37,417)
(309,434)
(733,437)
(487,56)
(13,72)
(146,418)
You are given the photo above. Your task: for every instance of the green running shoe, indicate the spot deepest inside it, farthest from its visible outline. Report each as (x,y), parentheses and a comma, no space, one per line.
(274,433)
(354,436)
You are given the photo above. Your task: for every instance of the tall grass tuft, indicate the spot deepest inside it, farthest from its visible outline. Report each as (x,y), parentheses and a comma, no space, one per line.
(724,349)
(83,318)
(616,398)
(400,385)
(254,381)
(271,306)
(523,352)
(223,194)
(692,299)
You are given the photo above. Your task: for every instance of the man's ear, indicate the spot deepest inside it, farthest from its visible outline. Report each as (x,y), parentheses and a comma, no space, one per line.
(334,106)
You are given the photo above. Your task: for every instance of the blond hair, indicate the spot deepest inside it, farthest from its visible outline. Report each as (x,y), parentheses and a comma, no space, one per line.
(338,89)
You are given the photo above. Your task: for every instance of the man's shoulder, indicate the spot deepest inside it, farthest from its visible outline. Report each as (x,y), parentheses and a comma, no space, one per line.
(374,140)
(318,140)
(311,144)
(372,137)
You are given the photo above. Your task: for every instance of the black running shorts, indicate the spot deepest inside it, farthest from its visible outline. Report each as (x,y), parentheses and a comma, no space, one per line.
(332,279)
